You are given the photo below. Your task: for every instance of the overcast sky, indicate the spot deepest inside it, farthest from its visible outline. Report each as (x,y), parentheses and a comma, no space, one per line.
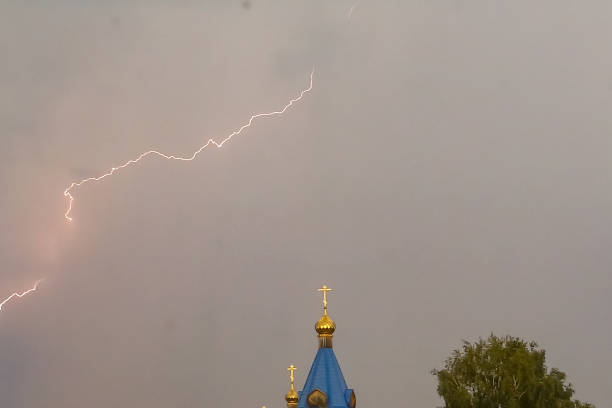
(448,176)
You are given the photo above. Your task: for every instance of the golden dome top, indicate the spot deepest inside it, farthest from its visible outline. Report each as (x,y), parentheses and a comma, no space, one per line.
(291,396)
(325,326)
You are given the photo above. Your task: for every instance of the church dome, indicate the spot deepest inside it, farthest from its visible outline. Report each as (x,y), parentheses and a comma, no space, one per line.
(325,326)
(292,396)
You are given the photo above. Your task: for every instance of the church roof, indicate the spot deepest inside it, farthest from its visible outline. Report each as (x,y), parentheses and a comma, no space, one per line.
(326,376)
(325,385)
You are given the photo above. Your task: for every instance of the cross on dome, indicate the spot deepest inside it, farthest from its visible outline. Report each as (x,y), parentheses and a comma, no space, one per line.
(324,289)
(292,396)
(291,369)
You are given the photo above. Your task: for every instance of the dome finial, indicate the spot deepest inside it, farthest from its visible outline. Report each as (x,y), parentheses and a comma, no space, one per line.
(292,396)
(325,327)
(324,289)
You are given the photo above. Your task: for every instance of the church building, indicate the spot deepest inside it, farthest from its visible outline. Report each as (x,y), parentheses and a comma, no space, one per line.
(325,386)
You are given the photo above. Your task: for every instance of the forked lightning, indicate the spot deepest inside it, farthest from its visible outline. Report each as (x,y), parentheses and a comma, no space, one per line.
(68,192)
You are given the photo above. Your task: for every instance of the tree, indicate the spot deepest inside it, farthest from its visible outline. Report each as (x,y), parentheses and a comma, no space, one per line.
(503,372)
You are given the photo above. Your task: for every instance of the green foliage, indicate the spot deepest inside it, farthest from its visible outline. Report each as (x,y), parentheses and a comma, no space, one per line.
(503,372)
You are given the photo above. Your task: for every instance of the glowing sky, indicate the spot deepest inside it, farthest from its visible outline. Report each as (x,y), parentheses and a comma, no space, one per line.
(448,176)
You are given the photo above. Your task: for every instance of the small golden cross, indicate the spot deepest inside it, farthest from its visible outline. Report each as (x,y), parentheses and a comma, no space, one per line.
(291,369)
(324,289)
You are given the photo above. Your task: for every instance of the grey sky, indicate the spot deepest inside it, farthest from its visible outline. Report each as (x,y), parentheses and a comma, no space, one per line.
(448,176)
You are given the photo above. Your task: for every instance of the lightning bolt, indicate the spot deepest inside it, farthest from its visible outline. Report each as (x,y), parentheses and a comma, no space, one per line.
(20,295)
(68,192)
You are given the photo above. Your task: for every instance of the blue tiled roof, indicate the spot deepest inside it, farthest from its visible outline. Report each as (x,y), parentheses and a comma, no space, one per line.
(325,375)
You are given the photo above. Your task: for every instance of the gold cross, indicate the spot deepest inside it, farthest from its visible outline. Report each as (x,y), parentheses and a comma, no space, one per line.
(291,369)
(324,289)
